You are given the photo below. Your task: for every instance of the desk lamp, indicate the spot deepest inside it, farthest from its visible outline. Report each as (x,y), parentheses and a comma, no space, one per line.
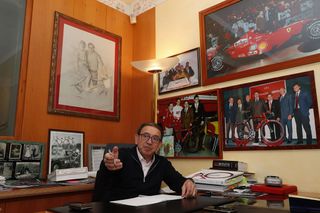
(155,65)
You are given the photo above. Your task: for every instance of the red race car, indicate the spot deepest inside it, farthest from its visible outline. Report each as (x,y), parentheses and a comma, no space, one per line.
(254,43)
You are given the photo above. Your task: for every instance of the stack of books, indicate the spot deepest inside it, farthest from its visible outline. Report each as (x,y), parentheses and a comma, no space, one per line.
(216,180)
(230,165)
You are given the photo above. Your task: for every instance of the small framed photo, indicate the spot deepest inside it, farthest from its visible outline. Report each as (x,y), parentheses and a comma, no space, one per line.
(27,170)
(167,147)
(6,169)
(32,152)
(183,75)
(96,152)
(65,149)
(3,148)
(15,151)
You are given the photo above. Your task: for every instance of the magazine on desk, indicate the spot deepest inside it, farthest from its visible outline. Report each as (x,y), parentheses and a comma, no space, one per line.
(217,177)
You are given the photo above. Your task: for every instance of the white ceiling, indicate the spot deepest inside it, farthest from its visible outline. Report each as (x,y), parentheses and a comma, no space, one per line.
(132,7)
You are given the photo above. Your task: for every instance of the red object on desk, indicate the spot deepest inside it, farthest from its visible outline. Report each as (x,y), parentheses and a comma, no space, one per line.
(284,189)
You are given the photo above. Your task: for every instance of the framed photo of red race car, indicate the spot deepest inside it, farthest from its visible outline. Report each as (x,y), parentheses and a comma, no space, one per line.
(278,113)
(250,37)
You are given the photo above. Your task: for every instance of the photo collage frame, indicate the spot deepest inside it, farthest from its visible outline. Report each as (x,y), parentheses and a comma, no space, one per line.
(21,160)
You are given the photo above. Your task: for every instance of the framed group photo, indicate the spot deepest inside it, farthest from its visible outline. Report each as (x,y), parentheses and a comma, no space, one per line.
(241,38)
(85,70)
(279,113)
(65,149)
(183,75)
(190,124)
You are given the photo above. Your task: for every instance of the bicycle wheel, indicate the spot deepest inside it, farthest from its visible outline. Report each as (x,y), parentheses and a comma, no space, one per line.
(243,134)
(192,143)
(272,133)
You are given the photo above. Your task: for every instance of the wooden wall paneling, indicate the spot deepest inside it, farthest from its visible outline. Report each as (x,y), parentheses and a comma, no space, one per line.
(136,97)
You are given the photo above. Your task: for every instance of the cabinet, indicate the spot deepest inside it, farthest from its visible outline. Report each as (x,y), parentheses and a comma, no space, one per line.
(42,198)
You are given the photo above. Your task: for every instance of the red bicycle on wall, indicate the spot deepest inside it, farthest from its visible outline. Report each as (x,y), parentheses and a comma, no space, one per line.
(193,139)
(271,131)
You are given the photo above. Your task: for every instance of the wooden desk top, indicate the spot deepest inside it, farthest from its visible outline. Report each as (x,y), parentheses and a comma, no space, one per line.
(44,190)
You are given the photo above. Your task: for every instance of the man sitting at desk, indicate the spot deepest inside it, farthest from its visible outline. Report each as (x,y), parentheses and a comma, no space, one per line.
(129,172)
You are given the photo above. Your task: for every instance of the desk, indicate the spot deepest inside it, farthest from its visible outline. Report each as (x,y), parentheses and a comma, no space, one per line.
(173,206)
(41,198)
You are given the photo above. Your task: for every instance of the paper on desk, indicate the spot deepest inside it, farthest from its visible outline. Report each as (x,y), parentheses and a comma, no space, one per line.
(146,200)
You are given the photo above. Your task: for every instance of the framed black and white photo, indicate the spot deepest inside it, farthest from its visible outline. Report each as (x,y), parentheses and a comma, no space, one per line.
(32,152)
(65,149)
(3,148)
(6,169)
(27,170)
(15,151)
(183,75)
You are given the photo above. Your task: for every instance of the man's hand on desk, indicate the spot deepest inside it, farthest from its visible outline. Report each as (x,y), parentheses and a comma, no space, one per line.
(111,159)
(189,189)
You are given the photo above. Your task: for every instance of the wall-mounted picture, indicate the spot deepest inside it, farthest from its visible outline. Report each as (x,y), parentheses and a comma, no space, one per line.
(15,151)
(65,149)
(6,169)
(27,170)
(241,38)
(183,75)
(190,124)
(279,113)
(32,152)
(85,70)
(3,148)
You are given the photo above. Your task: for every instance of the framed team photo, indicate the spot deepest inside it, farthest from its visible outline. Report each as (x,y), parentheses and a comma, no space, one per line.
(185,74)
(278,113)
(190,124)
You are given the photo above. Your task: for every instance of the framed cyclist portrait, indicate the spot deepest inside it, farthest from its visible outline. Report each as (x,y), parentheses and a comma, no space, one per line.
(278,113)
(190,124)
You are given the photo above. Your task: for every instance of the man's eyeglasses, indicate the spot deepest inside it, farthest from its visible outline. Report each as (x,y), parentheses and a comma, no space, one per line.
(154,138)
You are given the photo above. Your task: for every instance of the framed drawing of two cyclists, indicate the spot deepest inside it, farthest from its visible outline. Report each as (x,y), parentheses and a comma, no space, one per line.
(190,124)
(278,113)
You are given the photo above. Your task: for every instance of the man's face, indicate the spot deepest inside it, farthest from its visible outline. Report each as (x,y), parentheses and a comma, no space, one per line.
(148,141)
(296,88)
(170,107)
(256,95)
(281,91)
(269,98)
